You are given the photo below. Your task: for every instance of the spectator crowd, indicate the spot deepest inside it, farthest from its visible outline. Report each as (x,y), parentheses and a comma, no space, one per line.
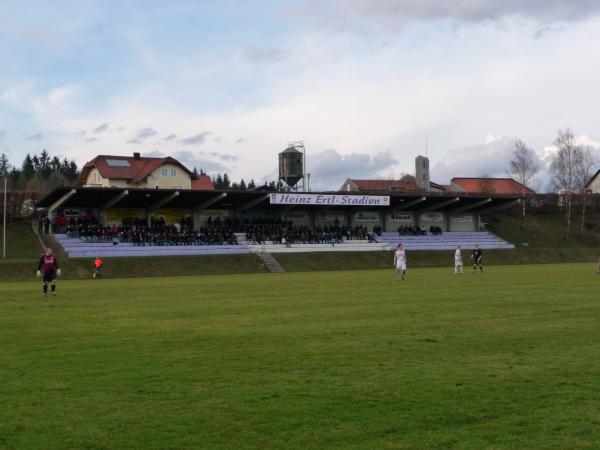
(217,231)
(413,230)
(138,232)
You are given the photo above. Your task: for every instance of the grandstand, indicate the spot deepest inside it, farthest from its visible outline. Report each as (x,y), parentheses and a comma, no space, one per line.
(318,221)
(78,248)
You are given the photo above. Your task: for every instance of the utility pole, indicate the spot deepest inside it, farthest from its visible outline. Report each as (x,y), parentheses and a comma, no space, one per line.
(4,219)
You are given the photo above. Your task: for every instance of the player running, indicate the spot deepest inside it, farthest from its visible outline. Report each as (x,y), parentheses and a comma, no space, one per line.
(458,262)
(477,258)
(400,262)
(49,268)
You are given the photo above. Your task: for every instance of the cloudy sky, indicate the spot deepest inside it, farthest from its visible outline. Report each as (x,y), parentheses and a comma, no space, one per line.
(225,84)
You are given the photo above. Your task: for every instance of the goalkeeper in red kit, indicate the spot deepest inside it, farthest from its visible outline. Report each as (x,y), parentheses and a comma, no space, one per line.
(48,269)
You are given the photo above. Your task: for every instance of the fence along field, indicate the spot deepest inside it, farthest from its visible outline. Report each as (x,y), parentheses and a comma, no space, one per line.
(507,359)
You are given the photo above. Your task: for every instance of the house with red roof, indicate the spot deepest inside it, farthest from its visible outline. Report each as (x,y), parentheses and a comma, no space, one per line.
(407,183)
(141,172)
(484,185)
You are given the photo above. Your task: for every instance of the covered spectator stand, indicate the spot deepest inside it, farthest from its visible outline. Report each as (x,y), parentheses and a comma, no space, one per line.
(446,211)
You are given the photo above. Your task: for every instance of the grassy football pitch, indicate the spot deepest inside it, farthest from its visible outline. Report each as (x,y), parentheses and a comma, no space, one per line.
(351,360)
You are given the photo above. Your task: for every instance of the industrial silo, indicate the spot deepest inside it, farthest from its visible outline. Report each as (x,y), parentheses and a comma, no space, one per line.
(291,165)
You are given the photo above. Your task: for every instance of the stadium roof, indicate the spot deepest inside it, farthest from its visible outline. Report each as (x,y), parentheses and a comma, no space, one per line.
(95,197)
(506,186)
(203,183)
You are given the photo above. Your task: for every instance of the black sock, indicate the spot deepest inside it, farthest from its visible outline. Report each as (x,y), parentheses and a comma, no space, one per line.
(45,289)
(53,288)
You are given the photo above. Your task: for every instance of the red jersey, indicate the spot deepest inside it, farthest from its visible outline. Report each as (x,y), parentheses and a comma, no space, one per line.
(48,263)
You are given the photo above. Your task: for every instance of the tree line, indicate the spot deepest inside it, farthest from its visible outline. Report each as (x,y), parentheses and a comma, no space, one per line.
(223,182)
(39,173)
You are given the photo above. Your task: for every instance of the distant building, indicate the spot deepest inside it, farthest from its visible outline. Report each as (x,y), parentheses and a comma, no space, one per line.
(419,183)
(141,172)
(593,186)
(405,184)
(422,173)
(504,186)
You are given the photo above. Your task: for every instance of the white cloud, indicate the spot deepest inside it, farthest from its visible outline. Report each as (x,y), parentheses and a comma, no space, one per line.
(101,128)
(394,13)
(256,55)
(196,139)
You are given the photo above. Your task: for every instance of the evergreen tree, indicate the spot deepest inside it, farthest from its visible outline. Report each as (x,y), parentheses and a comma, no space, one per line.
(28,168)
(55,165)
(218,182)
(251,184)
(243,185)
(195,171)
(73,172)
(4,165)
(226,181)
(37,168)
(15,179)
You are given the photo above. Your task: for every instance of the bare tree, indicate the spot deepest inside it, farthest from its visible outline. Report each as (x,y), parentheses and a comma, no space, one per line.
(583,173)
(564,171)
(523,167)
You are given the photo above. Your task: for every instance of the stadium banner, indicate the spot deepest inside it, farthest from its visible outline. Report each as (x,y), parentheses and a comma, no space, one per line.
(116,214)
(432,217)
(462,219)
(367,217)
(286,198)
(75,212)
(330,216)
(214,213)
(171,215)
(401,217)
(294,215)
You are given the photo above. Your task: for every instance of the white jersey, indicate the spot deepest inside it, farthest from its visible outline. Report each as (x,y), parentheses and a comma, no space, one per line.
(400,259)
(458,256)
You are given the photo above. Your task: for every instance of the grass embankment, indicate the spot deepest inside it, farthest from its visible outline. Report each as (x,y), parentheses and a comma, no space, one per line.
(352,360)
(21,242)
(545,230)
(300,262)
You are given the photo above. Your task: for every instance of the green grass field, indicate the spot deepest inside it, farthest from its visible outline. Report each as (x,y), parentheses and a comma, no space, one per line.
(508,359)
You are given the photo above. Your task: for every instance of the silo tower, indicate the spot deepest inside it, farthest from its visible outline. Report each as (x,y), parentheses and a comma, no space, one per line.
(292,166)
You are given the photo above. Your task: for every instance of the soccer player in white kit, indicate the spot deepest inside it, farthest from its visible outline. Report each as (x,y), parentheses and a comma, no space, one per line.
(400,262)
(458,263)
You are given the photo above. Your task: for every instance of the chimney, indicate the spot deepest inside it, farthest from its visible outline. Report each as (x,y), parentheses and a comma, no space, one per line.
(137,156)
(422,173)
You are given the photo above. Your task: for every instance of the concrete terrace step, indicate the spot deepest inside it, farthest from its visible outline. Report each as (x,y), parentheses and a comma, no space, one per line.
(158,251)
(299,248)
(447,241)
(271,263)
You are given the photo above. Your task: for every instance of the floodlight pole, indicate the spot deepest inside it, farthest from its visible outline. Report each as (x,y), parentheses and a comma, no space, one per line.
(4,220)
